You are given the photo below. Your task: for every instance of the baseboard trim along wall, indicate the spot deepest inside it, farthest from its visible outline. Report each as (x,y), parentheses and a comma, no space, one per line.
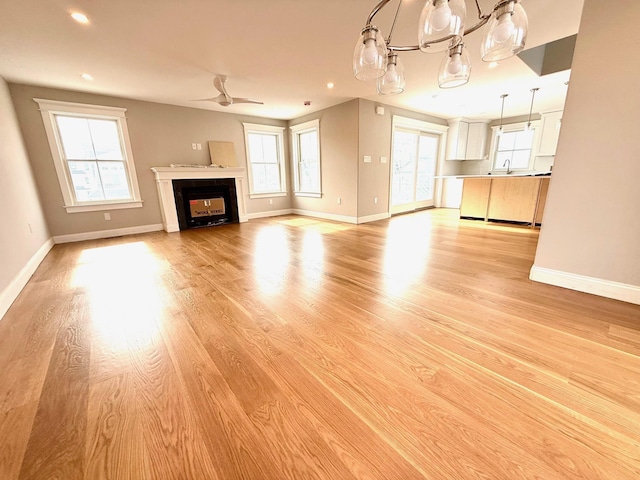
(272,213)
(326,216)
(596,286)
(374,218)
(117,232)
(9,294)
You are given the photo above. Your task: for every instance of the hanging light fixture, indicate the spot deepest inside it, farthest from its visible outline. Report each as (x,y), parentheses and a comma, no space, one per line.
(392,82)
(441,28)
(503,96)
(455,69)
(533,96)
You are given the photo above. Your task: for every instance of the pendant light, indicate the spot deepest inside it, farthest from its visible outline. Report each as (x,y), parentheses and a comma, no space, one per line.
(503,96)
(370,55)
(533,96)
(506,33)
(455,69)
(441,20)
(392,82)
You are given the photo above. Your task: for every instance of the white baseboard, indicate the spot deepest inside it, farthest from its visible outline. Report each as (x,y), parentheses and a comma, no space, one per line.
(582,283)
(326,216)
(9,294)
(270,213)
(374,218)
(117,232)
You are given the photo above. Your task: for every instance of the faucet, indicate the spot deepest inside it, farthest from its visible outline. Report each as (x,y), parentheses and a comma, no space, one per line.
(507,163)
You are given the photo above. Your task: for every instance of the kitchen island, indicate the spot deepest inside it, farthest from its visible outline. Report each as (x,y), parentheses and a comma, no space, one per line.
(509,198)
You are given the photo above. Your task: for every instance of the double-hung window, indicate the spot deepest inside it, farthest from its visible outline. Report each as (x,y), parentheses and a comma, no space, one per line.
(92,155)
(513,149)
(265,160)
(306,158)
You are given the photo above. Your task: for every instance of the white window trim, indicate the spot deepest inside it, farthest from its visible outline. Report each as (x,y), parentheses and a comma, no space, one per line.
(279,131)
(513,127)
(296,130)
(50,108)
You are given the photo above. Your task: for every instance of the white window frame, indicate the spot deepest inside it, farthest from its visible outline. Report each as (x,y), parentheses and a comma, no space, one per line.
(278,132)
(296,131)
(514,127)
(49,109)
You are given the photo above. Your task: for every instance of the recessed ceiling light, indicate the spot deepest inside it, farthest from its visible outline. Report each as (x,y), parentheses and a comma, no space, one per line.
(331,85)
(80,18)
(493,64)
(86,76)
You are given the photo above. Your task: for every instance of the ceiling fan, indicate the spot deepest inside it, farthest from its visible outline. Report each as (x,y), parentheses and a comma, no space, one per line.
(224,98)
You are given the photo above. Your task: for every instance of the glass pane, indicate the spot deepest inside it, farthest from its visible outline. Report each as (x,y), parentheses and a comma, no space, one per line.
(520,159)
(86,181)
(76,138)
(272,176)
(106,139)
(308,146)
(259,178)
(405,146)
(310,177)
(524,140)
(501,158)
(114,180)
(255,148)
(428,149)
(507,141)
(269,149)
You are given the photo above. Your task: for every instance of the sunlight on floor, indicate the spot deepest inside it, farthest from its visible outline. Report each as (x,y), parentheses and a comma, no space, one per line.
(312,258)
(125,294)
(271,259)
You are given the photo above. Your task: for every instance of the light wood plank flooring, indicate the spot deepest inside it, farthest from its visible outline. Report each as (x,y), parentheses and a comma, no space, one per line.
(296,348)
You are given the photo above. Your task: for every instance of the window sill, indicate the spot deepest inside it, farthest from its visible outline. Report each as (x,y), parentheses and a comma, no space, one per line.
(307,194)
(268,195)
(102,206)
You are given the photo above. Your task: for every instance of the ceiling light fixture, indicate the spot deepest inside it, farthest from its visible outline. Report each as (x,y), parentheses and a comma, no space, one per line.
(80,18)
(533,96)
(330,85)
(503,96)
(86,76)
(441,28)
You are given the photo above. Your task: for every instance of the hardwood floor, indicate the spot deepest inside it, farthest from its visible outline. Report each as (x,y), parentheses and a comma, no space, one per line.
(296,348)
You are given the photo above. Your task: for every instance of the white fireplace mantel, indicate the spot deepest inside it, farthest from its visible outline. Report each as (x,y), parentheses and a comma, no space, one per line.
(165,175)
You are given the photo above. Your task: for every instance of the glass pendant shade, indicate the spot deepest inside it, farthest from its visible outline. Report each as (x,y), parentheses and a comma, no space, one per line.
(506,33)
(455,69)
(441,20)
(370,55)
(392,82)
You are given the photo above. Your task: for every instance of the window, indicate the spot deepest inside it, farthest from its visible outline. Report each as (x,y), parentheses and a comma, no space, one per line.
(265,160)
(92,155)
(306,158)
(513,149)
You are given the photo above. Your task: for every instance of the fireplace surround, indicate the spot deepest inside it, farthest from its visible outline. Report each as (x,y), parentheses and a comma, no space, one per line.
(165,177)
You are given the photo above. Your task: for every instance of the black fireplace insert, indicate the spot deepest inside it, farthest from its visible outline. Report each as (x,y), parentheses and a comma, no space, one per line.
(205,202)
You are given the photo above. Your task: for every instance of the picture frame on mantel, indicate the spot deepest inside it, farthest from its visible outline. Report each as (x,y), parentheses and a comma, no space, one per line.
(222,154)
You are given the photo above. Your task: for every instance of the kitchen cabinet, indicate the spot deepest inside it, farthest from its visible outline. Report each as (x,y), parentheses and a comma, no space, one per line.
(466,140)
(550,132)
(501,198)
(475,198)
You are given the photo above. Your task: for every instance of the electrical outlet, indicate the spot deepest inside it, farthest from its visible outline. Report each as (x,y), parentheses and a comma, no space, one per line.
(107,216)
(194,146)
(383,159)
(375,199)
(339,201)
(199,146)
(271,201)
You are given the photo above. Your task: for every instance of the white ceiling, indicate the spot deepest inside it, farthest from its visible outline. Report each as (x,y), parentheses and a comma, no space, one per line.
(282,52)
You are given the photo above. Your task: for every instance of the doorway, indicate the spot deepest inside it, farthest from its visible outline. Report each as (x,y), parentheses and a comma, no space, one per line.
(414,155)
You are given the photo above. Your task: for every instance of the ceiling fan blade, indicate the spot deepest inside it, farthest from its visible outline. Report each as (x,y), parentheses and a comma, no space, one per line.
(218,82)
(212,99)
(247,100)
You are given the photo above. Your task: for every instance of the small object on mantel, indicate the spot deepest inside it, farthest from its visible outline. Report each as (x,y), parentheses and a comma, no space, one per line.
(223,154)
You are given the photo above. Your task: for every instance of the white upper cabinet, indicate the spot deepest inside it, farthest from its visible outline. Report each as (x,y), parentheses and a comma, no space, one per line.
(550,131)
(466,140)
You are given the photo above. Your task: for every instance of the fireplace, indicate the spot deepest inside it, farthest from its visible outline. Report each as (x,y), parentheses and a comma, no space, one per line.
(228,185)
(205,202)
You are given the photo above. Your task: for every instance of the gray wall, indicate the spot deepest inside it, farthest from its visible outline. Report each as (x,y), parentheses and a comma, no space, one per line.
(375,140)
(591,225)
(339,153)
(160,135)
(19,199)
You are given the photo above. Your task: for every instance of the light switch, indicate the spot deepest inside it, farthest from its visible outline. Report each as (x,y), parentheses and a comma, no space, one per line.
(367,159)
(383,159)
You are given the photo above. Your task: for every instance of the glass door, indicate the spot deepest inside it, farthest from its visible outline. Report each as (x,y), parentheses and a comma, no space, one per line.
(414,155)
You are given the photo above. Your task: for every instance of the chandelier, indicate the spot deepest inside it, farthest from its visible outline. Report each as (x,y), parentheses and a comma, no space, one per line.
(441,29)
